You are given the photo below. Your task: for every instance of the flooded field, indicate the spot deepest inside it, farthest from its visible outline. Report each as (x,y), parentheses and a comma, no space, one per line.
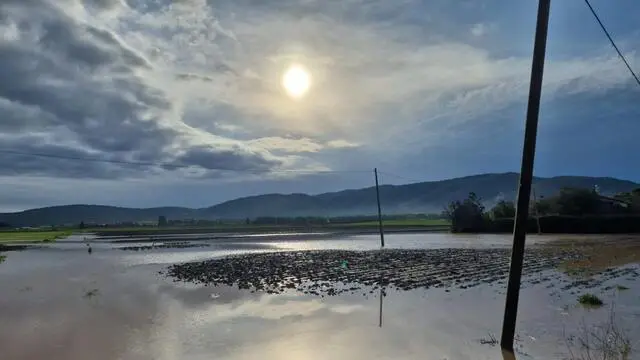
(121,302)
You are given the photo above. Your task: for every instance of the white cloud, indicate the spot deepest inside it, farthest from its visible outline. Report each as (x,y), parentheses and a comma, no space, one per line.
(81,91)
(481,29)
(299,145)
(341,144)
(287,145)
(367,75)
(197,82)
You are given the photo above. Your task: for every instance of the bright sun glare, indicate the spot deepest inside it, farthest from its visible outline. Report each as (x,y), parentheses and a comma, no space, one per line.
(296,81)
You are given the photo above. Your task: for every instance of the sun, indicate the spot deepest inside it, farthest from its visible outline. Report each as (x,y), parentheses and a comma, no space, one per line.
(296,81)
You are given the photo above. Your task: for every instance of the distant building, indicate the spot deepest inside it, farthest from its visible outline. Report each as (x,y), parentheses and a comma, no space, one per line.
(610,204)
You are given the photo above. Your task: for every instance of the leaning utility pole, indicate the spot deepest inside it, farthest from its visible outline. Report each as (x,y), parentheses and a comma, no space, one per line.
(375,174)
(526,177)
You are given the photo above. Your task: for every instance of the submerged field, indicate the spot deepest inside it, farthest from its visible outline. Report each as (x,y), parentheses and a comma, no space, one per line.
(428,295)
(335,271)
(332,272)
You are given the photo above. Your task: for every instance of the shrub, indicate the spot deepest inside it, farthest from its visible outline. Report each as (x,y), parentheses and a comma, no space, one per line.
(590,300)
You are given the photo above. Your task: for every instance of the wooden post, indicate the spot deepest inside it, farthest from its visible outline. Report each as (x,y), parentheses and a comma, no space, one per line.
(380,226)
(526,177)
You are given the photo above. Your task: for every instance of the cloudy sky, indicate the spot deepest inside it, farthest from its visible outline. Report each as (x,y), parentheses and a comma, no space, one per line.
(183,101)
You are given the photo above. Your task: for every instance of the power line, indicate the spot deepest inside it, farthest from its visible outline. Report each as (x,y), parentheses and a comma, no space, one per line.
(167,165)
(613,43)
(76,158)
(399,177)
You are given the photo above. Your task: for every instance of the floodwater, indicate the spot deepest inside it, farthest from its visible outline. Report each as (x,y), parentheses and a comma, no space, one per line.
(59,302)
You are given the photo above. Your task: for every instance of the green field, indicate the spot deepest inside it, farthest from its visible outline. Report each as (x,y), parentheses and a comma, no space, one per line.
(154,230)
(240,227)
(31,236)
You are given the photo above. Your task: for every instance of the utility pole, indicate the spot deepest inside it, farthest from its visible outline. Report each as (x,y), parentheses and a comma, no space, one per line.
(526,177)
(375,174)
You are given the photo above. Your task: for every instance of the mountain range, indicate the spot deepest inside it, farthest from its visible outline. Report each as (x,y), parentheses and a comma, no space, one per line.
(422,197)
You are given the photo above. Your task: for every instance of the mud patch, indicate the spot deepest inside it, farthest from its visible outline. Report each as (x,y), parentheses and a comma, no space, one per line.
(4,247)
(171,245)
(332,272)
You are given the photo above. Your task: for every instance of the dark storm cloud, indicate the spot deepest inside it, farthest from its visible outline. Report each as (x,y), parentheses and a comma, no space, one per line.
(218,68)
(104,4)
(71,89)
(232,159)
(188,77)
(50,159)
(87,45)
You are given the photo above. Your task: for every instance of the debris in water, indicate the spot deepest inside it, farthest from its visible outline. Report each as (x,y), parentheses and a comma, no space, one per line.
(91,293)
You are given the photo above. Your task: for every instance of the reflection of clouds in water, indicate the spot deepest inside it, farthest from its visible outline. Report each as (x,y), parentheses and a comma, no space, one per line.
(55,320)
(166,338)
(199,297)
(237,320)
(330,335)
(270,307)
(139,314)
(346,309)
(233,321)
(279,327)
(170,256)
(222,303)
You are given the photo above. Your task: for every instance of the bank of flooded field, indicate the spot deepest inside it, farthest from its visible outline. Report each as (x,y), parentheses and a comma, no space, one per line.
(312,299)
(336,271)
(332,272)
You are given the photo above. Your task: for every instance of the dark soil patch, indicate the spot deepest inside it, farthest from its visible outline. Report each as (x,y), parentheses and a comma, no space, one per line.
(599,253)
(13,247)
(332,272)
(173,245)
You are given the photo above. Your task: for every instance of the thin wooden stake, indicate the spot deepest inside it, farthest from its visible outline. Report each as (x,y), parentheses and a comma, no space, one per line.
(375,173)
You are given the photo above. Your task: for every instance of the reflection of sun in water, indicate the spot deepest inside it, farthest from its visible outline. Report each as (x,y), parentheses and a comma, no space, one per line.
(296,81)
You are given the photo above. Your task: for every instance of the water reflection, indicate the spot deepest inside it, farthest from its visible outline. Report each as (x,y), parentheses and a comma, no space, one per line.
(381,297)
(508,355)
(139,314)
(382,294)
(432,324)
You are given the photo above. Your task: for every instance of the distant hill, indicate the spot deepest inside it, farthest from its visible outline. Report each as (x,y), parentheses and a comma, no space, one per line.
(423,197)
(74,214)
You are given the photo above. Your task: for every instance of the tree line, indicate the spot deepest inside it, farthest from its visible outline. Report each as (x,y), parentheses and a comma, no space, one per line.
(290,220)
(572,210)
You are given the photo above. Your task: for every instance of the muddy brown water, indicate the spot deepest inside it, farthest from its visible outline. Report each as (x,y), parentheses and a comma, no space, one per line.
(59,302)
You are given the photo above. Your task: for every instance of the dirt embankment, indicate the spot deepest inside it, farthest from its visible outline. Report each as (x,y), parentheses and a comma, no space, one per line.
(597,252)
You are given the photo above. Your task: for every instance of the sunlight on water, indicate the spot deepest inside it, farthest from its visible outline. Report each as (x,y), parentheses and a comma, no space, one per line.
(115,304)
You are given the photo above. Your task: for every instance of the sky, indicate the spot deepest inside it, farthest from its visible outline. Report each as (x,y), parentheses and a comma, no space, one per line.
(183,103)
